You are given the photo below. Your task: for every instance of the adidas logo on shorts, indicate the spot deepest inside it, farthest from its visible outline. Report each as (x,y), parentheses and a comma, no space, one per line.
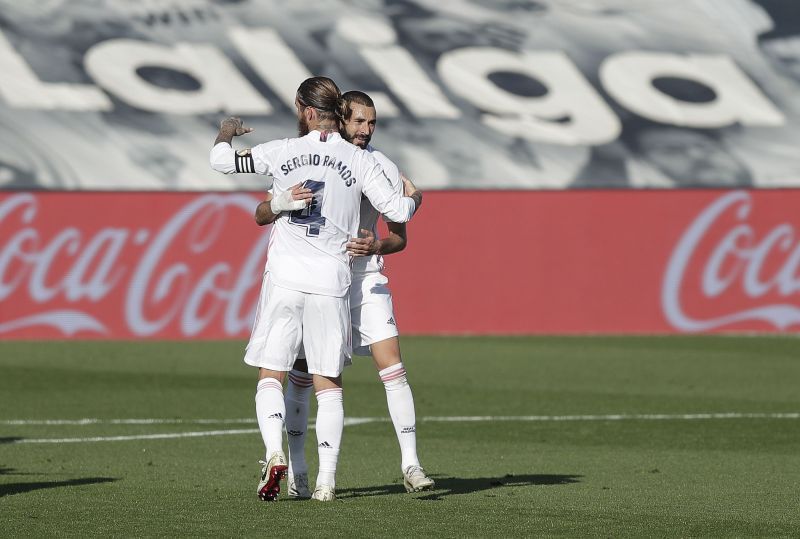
(391,321)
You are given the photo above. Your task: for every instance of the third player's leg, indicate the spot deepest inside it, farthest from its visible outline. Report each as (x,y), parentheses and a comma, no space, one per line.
(297,396)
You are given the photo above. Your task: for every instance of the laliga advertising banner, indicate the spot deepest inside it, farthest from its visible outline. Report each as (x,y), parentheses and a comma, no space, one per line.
(186,266)
(470,94)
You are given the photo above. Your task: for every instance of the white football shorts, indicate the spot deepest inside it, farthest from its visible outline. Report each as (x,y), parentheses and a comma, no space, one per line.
(371,311)
(286,318)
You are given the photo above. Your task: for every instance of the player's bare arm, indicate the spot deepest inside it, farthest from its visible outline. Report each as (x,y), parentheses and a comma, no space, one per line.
(395,241)
(265,213)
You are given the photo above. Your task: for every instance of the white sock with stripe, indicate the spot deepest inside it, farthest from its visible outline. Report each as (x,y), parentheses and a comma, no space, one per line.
(401,409)
(330,423)
(298,391)
(270,412)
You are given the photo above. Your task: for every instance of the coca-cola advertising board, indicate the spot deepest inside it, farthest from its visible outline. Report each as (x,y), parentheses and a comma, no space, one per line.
(189,266)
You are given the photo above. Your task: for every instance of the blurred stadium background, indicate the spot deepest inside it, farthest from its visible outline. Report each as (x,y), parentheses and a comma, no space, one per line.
(591,167)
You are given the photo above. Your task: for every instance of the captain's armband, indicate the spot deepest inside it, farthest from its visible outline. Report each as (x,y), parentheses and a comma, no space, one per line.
(244,161)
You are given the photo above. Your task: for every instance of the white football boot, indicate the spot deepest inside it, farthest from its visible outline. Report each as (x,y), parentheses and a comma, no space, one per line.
(271,474)
(324,493)
(414,479)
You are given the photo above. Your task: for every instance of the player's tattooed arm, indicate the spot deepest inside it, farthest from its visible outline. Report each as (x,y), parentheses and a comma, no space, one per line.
(270,208)
(229,128)
(223,158)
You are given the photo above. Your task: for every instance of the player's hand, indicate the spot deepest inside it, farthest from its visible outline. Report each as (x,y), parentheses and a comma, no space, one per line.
(301,193)
(234,127)
(408,186)
(364,246)
(410,190)
(295,198)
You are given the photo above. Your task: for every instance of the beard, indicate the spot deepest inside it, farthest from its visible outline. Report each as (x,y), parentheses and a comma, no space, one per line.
(361,142)
(302,126)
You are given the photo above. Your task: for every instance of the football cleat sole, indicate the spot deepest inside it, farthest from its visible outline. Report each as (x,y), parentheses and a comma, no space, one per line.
(270,491)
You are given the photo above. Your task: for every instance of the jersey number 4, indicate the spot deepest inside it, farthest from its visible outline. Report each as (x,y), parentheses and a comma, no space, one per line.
(311,216)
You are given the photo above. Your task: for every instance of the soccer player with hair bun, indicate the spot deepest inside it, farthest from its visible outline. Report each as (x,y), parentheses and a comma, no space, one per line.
(319,180)
(374,326)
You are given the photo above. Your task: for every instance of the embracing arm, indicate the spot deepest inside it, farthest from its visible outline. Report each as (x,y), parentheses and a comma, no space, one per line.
(396,241)
(396,208)
(264,214)
(296,198)
(368,245)
(224,159)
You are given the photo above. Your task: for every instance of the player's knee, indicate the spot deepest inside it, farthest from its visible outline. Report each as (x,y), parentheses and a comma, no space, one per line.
(386,353)
(327,382)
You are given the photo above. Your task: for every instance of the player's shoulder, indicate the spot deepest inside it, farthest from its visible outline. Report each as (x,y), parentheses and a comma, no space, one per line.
(271,146)
(375,152)
(381,158)
(359,155)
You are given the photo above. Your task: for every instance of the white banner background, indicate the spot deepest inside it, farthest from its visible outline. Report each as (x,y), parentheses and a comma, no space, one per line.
(115,94)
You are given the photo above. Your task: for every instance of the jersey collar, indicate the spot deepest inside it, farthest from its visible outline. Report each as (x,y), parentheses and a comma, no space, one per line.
(326,137)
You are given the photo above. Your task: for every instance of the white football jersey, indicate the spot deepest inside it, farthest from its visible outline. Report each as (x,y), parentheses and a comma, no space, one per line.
(307,248)
(369,215)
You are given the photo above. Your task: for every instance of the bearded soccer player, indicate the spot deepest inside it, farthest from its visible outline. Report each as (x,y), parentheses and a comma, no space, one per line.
(319,180)
(374,326)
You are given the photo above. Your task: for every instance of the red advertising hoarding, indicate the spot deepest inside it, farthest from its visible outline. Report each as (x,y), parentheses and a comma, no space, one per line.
(182,265)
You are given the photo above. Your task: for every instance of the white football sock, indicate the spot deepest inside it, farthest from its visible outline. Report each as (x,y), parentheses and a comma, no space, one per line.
(298,391)
(270,412)
(401,409)
(330,422)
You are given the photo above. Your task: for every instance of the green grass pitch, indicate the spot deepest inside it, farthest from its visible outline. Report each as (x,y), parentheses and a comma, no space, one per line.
(524,465)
